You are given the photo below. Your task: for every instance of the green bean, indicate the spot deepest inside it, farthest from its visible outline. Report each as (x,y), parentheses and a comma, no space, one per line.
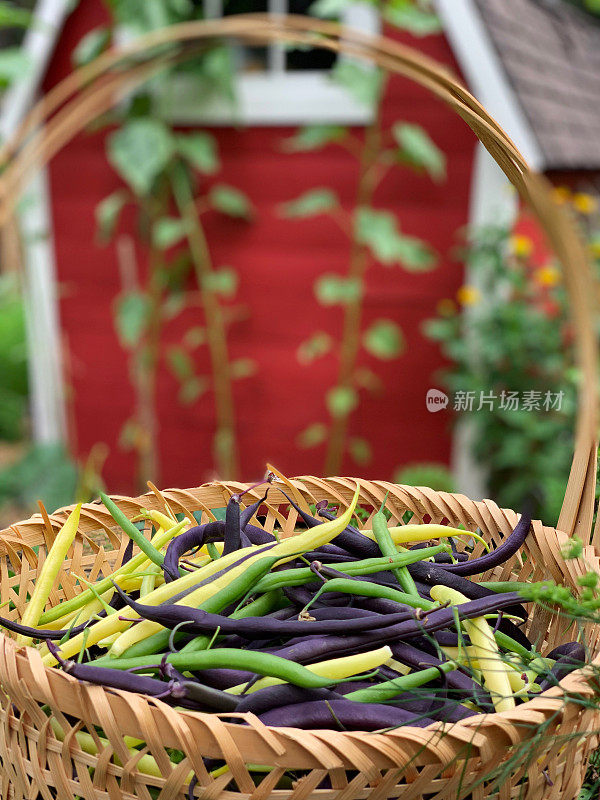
(380,692)
(129,528)
(388,548)
(367,566)
(238,587)
(368,589)
(228,658)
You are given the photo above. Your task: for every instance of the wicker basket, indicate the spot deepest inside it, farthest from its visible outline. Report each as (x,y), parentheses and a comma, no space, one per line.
(539,750)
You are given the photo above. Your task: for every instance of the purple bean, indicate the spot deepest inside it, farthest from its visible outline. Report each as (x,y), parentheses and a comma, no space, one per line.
(188,694)
(351,716)
(197,536)
(498,556)
(282,695)
(574,649)
(202,622)
(572,658)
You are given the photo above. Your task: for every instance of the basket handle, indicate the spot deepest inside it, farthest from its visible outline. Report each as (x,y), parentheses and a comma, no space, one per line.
(63,113)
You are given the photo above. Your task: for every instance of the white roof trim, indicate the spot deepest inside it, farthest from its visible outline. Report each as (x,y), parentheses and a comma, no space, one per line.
(485,75)
(38,44)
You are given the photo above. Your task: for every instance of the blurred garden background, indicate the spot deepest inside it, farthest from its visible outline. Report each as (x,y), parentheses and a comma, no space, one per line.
(273,253)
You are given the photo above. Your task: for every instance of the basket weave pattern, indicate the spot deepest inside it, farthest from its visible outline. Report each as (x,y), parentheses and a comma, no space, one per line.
(60,738)
(440,761)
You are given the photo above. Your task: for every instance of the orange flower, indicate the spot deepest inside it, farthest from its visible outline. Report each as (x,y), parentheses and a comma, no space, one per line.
(548,276)
(446,307)
(561,194)
(468,295)
(585,203)
(522,246)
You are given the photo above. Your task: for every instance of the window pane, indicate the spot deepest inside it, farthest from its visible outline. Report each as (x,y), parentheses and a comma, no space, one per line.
(307,59)
(251,59)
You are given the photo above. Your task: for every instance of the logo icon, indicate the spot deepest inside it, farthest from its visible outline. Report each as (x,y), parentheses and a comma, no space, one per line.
(435,400)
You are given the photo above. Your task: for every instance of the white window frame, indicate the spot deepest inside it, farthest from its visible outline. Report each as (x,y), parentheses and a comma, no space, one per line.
(276,96)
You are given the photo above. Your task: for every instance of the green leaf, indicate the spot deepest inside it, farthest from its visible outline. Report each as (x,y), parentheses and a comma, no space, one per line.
(312,137)
(341,400)
(312,436)
(168,231)
(229,200)
(363,82)
(331,289)
(140,151)
(435,476)
(243,368)
(309,204)
(223,281)
(200,150)
(418,150)
(131,317)
(328,8)
(384,339)
(180,363)
(378,230)
(318,345)
(218,70)
(90,46)
(107,214)
(12,16)
(191,389)
(194,337)
(14,65)
(360,450)
(408,16)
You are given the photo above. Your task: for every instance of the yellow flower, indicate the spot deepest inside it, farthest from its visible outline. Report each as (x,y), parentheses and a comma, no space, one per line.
(468,295)
(585,203)
(446,307)
(521,245)
(561,194)
(548,276)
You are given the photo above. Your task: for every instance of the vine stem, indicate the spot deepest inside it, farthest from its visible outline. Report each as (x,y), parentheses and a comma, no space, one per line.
(225,446)
(358,265)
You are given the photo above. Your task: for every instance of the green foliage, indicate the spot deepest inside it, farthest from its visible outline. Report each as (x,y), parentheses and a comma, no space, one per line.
(14,65)
(417,149)
(511,340)
(13,361)
(139,151)
(108,212)
(200,150)
(222,281)
(384,339)
(435,476)
(313,435)
(379,231)
(90,47)
(46,473)
(131,317)
(364,82)
(360,450)
(11,16)
(167,231)
(313,137)
(341,400)
(415,18)
(318,345)
(331,289)
(230,201)
(311,203)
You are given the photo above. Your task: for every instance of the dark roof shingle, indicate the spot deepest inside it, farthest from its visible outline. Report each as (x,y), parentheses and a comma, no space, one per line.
(551,55)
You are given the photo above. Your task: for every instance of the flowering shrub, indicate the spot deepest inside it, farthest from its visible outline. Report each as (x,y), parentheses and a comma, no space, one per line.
(508,339)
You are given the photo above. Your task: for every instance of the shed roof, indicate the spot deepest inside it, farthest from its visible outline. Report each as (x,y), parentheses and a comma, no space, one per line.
(550,52)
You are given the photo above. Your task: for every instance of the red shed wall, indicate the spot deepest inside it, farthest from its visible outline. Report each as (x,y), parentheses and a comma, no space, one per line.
(278,262)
